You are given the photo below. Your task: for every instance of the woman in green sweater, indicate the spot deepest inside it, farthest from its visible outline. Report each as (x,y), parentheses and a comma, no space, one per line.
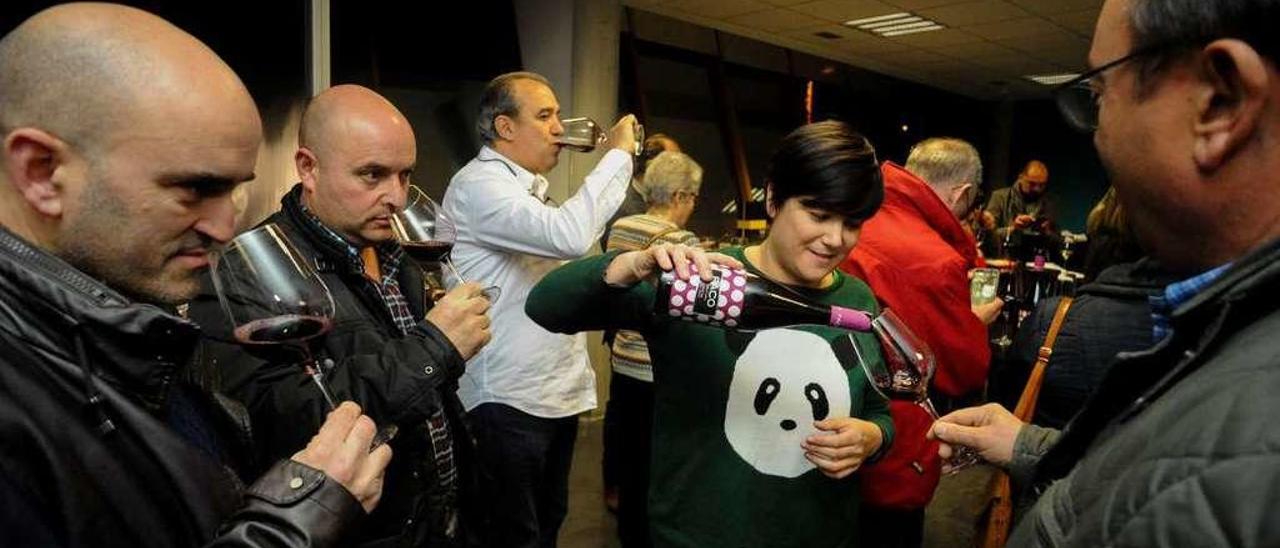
(756,435)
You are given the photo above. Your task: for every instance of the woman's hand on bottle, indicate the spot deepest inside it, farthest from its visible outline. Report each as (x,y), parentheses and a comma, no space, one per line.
(841,445)
(633,266)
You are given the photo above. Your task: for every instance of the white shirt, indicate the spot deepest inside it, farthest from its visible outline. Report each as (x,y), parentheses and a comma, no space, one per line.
(509,238)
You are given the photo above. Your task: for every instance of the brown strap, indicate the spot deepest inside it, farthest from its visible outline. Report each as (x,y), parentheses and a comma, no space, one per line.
(1031,393)
(1000,516)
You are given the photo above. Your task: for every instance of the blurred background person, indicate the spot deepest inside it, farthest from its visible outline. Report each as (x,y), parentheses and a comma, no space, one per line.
(635,202)
(1022,211)
(916,257)
(1111,239)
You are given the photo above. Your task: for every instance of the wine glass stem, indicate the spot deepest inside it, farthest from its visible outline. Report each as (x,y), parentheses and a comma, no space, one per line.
(313,371)
(927,404)
(449,263)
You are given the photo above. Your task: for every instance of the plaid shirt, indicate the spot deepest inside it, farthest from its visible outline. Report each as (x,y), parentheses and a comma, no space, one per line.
(391,260)
(1163,304)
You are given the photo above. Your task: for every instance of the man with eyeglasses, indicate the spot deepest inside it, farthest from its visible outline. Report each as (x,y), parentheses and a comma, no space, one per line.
(524,391)
(916,255)
(1178,446)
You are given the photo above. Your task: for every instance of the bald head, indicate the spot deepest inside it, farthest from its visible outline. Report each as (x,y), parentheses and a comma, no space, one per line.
(1035,170)
(115,122)
(1033,179)
(83,71)
(335,112)
(356,153)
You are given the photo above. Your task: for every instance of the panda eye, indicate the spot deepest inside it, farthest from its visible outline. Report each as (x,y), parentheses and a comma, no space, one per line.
(765,395)
(818,399)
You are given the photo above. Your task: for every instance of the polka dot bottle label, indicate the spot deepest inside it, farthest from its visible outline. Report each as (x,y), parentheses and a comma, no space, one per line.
(718,302)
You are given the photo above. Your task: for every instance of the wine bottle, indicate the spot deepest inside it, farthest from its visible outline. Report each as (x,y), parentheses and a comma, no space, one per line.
(740,300)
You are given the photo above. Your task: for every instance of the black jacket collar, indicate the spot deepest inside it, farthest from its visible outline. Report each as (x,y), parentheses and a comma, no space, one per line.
(47,305)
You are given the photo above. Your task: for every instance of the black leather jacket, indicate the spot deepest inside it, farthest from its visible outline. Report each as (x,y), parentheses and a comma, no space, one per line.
(396,378)
(88,380)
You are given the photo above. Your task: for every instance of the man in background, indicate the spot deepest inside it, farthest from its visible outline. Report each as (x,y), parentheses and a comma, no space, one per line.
(525,390)
(916,257)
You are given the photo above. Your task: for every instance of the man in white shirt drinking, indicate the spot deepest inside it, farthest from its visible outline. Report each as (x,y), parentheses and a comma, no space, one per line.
(524,391)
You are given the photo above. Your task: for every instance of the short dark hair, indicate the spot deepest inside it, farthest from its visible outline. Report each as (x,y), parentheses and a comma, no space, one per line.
(830,167)
(1172,28)
(497,99)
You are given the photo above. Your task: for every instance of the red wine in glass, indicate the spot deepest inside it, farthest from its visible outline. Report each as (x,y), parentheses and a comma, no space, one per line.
(287,329)
(290,332)
(433,251)
(427,235)
(276,303)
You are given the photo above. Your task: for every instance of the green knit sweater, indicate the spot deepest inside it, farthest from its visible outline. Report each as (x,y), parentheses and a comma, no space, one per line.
(731,409)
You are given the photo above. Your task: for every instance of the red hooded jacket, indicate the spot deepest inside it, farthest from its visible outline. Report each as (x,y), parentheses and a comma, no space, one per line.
(916,257)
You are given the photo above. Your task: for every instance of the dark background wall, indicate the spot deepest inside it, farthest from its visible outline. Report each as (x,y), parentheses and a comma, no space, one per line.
(433,70)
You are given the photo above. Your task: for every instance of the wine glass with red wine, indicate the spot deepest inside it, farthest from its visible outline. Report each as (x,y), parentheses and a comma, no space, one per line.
(276,303)
(907,367)
(427,236)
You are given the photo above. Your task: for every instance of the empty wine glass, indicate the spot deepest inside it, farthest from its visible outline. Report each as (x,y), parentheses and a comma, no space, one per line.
(906,370)
(584,135)
(427,236)
(276,303)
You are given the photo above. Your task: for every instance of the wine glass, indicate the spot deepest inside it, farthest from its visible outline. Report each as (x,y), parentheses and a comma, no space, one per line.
(276,303)
(908,366)
(427,235)
(584,135)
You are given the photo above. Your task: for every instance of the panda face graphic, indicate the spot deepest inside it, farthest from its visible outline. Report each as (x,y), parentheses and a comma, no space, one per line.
(783,381)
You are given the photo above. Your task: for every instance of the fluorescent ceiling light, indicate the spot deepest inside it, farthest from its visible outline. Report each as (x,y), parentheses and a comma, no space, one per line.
(907,26)
(877,18)
(1051,79)
(894,24)
(890,23)
(912,31)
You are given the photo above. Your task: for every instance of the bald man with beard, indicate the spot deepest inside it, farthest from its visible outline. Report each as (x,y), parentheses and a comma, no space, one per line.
(355,159)
(123,138)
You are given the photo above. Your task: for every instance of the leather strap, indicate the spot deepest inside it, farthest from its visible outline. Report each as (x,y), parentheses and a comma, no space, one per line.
(1031,393)
(1000,514)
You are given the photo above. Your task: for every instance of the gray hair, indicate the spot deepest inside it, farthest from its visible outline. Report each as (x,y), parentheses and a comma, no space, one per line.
(1184,24)
(499,99)
(944,162)
(668,173)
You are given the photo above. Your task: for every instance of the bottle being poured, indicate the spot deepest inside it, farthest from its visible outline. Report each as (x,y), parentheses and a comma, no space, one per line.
(738,299)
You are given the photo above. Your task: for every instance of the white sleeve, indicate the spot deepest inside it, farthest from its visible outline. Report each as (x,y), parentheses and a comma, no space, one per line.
(504,216)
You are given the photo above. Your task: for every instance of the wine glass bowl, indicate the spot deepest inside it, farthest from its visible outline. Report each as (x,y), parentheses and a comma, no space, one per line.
(908,367)
(277,304)
(584,135)
(427,236)
(275,301)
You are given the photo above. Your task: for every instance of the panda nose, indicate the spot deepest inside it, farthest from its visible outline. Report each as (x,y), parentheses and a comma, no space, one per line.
(788,424)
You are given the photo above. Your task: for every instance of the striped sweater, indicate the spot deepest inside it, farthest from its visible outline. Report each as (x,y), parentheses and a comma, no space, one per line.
(629,353)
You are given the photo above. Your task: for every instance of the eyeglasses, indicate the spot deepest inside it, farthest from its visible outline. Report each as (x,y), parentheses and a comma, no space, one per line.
(1078,99)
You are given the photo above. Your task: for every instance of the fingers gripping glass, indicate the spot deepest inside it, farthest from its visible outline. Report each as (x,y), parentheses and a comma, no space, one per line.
(904,373)
(276,303)
(427,235)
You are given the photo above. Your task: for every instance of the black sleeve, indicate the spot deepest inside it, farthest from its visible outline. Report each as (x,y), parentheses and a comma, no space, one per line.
(292,505)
